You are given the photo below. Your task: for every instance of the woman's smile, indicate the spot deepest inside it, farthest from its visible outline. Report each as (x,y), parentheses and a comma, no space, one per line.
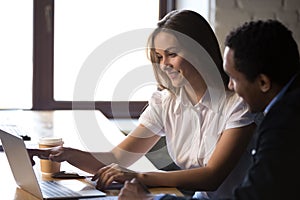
(172,74)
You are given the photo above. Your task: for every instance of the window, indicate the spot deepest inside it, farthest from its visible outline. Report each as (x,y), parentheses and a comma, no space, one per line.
(36,63)
(16,54)
(83,28)
(48,78)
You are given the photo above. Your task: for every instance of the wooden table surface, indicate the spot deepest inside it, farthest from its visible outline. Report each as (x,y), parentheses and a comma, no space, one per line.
(76,128)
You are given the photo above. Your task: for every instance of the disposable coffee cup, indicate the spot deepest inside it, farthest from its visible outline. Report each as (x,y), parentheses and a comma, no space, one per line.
(48,166)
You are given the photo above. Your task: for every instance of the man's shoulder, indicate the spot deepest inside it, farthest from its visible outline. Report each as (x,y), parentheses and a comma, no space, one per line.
(290,101)
(283,118)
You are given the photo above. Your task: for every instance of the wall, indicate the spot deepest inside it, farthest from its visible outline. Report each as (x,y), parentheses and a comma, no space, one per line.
(227,14)
(200,6)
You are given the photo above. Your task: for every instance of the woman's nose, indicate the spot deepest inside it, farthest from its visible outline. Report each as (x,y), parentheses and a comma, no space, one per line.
(166,67)
(165,64)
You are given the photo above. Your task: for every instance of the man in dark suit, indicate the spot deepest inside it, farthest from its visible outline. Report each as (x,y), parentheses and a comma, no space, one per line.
(262,61)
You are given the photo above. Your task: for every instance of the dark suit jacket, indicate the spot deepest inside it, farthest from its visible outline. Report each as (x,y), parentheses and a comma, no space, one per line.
(275,172)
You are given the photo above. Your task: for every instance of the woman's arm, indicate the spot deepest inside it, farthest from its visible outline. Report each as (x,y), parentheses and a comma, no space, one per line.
(134,146)
(231,146)
(86,161)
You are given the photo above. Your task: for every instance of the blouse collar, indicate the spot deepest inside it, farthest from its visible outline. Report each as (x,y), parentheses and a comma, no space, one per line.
(183,100)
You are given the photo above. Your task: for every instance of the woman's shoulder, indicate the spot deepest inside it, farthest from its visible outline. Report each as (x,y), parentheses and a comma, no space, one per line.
(234,102)
(233,98)
(160,96)
(237,111)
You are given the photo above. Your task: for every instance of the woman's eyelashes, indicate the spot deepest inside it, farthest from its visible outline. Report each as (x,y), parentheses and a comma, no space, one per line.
(171,54)
(166,55)
(158,56)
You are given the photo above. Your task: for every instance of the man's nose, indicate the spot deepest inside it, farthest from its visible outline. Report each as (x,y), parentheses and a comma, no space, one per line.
(230,85)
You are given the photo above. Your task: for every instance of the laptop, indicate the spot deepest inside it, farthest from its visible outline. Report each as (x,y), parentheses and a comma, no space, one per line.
(25,177)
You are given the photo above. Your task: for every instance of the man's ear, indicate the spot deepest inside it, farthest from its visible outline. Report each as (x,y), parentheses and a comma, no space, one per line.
(264,82)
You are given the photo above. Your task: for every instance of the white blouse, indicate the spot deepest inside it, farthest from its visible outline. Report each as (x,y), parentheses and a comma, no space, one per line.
(192,131)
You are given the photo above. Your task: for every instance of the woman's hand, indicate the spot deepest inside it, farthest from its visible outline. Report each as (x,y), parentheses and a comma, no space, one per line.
(58,154)
(134,190)
(40,153)
(54,154)
(113,172)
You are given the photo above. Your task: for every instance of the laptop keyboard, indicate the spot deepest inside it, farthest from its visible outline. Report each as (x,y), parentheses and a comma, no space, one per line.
(51,188)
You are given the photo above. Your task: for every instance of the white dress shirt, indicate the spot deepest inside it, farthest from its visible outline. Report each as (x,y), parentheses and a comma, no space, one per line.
(192,131)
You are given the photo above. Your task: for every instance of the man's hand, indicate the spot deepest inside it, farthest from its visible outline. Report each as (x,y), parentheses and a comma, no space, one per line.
(134,190)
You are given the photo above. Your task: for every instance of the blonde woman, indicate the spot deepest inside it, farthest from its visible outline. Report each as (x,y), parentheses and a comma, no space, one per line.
(207,127)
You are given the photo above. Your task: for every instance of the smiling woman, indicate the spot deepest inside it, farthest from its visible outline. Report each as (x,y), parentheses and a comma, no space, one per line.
(206,127)
(56,43)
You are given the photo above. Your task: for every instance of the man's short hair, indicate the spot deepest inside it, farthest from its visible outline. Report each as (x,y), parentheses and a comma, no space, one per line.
(264,47)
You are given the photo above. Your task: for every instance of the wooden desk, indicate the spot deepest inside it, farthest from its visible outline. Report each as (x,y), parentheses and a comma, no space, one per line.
(86,130)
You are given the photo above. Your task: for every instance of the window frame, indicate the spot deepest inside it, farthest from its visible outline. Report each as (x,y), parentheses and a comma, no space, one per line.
(43,68)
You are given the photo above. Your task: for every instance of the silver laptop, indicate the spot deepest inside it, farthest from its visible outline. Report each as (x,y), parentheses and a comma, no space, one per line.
(25,177)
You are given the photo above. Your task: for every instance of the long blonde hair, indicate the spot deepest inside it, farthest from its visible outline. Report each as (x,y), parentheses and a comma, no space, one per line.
(186,24)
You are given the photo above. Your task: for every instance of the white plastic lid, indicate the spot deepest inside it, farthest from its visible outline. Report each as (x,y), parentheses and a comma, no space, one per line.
(51,141)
